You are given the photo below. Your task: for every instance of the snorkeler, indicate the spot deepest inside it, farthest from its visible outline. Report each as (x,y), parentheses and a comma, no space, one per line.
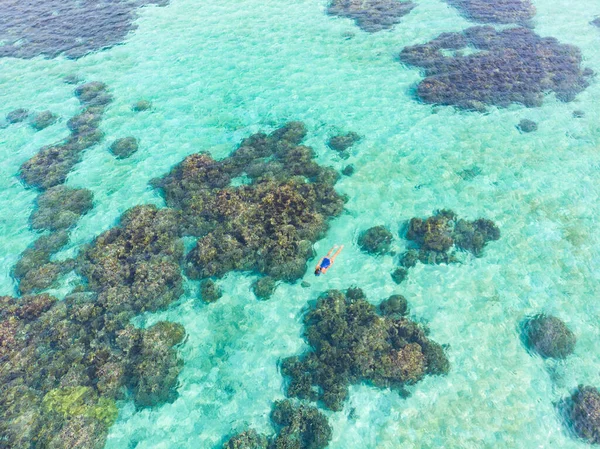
(327,261)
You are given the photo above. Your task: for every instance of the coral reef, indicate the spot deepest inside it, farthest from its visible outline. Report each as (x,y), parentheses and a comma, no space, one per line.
(35,271)
(578,114)
(371,15)
(375,240)
(43,119)
(74,358)
(72,29)
(299,426)
(141,105)
(583,412)
(52,164)
(527,126)
(64,365)
(134,267)
(343,141)
(514,65)
(249,439)
(124,147)
(351,343)
(498,11)
(60,207)
(548,336)
(17,116)
(267,226)
(439,234)
(209,291)
(596,22)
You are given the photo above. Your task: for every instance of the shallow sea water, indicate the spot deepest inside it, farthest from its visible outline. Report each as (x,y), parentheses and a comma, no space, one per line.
(217,71)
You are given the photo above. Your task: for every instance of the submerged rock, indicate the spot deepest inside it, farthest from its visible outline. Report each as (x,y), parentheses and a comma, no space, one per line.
(527,126)
(498,11)
(351,343)
(549,336)
(583,412)
(124,147)
(17,116)
(348,170)
(141,105)
(371,15)
(375,240)
(343,141)
(43,120)
(513,65)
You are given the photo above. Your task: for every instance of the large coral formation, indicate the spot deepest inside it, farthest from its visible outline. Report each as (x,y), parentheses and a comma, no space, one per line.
(437,235)
(298,427)
(63,367)
(267,226)
(82,351)
(514,65)
(583,412)
(498,11)
(371,15)
(375,240)
(351,343)
(70,28)
(134,267)
(52,164)
(549,336)
(60,208)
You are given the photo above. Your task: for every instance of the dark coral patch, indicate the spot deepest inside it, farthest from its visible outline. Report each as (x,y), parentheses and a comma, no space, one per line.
(510,66)
(350,342)
(52,164)
(438,235)
(298,427)
(60,208)
(371,15)
(52,27)
(375,240)
(582,411)
(498,11)
(548,336)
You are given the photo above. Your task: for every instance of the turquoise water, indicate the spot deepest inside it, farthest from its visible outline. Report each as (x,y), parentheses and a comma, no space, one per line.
(217,71)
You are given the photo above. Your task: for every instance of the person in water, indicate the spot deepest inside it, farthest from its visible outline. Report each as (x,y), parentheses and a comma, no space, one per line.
(326,262)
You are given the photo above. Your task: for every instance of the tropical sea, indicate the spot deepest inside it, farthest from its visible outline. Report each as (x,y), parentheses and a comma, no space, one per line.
(218,71)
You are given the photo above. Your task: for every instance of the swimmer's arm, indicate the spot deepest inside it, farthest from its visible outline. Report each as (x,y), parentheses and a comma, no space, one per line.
(320,262)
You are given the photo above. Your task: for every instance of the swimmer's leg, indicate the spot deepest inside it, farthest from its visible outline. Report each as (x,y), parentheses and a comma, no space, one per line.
(336,253)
